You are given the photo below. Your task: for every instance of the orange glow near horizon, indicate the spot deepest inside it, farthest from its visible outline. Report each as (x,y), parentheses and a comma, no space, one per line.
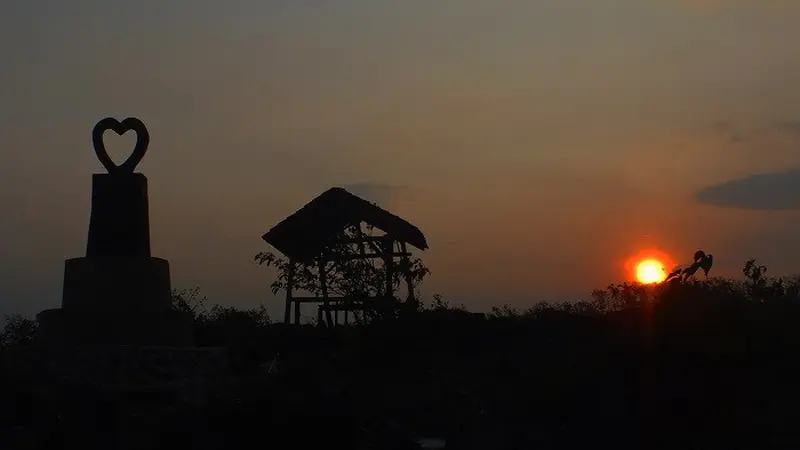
(648,266)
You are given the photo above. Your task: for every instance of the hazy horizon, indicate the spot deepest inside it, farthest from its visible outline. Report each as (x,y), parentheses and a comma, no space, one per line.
(537,144)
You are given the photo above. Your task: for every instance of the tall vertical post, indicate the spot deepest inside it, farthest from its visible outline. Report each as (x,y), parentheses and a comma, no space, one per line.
(411,300)
(119,224)
(388,261)
(323,283)
(289,287)
(362,251)
(346,302)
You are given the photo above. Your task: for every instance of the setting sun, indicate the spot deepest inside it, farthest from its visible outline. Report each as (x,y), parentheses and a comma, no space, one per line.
(650,271)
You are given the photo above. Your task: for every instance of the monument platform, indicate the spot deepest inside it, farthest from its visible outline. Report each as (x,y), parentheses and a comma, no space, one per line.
(116,284)
(119,300)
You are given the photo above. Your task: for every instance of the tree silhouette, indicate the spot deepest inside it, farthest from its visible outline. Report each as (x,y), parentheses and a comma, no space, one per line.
(357,278)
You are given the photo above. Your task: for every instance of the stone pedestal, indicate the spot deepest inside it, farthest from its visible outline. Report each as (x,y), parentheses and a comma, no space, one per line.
(120,219)
(116,300)
(117,284)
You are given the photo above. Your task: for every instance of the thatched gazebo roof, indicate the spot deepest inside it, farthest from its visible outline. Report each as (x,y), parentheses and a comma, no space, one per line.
(304,234)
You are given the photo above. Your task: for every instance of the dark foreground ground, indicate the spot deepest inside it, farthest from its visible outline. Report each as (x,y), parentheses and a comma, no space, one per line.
(702,366)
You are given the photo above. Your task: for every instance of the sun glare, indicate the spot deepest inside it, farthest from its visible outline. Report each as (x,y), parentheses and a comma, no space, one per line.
(650,271)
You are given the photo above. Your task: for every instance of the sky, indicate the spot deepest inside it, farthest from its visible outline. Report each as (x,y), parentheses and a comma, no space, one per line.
(537,143)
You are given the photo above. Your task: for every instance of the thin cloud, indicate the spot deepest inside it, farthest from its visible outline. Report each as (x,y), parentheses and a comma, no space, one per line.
(731,132)
(716,5)
(774,191)
(790,126)
(385,195)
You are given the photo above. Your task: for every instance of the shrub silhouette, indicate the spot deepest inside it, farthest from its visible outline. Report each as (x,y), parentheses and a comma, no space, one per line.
(17,330)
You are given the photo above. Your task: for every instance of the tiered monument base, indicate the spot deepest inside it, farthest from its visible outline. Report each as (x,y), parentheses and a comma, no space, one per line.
(116,325)
(117,329)
(116,301)
(116,335)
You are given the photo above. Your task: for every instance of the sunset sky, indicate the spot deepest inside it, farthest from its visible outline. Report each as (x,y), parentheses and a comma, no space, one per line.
(537,143)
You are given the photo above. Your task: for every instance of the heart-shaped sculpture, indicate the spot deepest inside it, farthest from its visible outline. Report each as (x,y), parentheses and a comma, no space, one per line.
(142,141)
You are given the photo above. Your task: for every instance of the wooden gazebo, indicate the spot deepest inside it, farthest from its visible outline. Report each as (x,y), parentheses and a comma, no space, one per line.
(317,229)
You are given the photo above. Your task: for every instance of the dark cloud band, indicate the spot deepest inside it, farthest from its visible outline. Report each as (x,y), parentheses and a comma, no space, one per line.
(768,191)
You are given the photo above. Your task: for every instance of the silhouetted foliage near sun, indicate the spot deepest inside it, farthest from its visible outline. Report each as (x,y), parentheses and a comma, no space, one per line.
(701,261)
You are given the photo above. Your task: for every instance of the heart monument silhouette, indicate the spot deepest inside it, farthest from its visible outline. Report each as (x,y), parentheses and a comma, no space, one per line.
(142,141)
